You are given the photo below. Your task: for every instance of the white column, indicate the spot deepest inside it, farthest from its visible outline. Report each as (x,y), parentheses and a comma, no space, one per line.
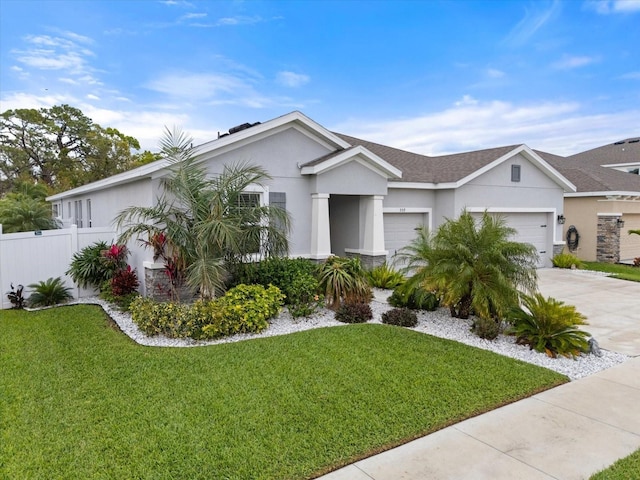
(320,230)
(373,241)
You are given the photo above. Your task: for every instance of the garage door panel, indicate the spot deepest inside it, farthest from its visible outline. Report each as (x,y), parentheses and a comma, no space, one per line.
(531,227)
(630,244)
(400,230)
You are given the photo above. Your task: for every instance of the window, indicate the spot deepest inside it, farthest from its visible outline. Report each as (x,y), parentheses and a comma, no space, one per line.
(89,212)
(515,173)
(69,214)
(78,213)
(54,210)
(246,203)
(278,199)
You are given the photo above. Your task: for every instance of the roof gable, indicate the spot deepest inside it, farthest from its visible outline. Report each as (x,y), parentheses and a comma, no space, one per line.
(225,143)
(357,153)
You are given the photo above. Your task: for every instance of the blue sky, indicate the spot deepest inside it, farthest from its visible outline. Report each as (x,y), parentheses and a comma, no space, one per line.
(433,77)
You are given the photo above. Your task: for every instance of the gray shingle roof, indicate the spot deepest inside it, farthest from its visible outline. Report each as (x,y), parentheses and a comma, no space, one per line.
(421,168)
(586,172)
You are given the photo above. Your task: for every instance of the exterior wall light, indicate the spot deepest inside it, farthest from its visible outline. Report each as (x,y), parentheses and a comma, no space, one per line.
(620,222)
(561,219)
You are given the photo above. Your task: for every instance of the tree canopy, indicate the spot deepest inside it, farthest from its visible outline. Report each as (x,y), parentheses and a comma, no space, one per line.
(62,148)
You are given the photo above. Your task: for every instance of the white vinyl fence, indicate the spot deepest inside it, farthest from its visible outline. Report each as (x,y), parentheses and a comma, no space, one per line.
(31,257)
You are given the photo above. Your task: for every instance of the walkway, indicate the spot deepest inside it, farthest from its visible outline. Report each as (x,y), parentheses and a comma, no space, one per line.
(566,433)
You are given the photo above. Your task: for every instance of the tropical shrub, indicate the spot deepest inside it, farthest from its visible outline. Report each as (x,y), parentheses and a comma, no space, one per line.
(124,282)
(207,220)
(487,328)
(302,296)
(50,292)
(549,326)
(87,266)
(354,312)
(402,317)
(21,213)
(243,309)
(295,277)
(472,266)
(411,295)
(250,306)
(567,260)
(343,280)
(384,276)
(16,297)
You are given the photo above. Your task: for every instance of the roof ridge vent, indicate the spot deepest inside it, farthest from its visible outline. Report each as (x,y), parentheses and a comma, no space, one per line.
(616,143)
(635,140)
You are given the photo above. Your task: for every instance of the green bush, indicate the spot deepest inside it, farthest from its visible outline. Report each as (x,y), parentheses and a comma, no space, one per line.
(402,317)
(243,309)
(343,280)
(295,277)
(354,312)
(50,292)
(248,307)
(487,328)
(88,268)
(412,296)
(549,326)
(384,276)
(302,295)
(567,260)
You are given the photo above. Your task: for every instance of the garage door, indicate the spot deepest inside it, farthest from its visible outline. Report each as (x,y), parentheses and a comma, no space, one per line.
(400,230)
(629,244)
(531,228)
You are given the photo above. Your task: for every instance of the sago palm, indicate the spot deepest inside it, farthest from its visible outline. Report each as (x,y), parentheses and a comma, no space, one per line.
(20,213)
(204,218)
(473,267)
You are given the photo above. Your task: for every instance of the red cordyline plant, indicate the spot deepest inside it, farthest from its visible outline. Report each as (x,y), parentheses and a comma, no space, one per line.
(115,257)
(124,282)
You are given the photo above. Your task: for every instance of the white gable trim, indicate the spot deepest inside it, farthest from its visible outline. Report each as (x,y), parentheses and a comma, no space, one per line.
(606,193)
(295,119)
(534,158)
(366,158)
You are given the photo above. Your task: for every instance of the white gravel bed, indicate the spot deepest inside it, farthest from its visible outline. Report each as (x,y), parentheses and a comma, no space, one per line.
(437,323)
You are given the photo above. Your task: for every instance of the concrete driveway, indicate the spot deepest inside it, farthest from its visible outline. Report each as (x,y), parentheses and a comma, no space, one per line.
(612,306)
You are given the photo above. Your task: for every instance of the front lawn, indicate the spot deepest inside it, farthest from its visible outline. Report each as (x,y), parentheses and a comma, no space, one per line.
(624,272)
(627,468)
(79,399)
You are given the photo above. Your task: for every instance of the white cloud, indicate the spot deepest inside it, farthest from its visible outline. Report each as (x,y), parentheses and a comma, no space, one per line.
(606,7)
(190,16)
(495,73)
(466,100)
(631,76)
(532,21)
(92,97)
(195,86)
(556,127)
(568,62)
(239,20)
(292,79)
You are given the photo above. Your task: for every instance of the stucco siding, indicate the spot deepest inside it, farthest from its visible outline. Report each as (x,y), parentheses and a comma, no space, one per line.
(409,198)
(344,212)
(350,179)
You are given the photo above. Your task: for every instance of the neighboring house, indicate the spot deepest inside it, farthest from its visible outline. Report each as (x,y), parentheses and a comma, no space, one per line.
(347,196)
(607,201)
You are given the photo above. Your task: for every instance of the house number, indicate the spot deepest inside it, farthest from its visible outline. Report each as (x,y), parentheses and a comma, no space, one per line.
(402,210)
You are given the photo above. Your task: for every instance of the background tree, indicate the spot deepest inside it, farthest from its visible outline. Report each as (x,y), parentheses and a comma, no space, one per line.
(206,221)
(61,148)
(24,209)
(473,267)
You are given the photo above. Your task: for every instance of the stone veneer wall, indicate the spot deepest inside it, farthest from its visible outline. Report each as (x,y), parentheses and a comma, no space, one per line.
(369,262)
(158,286)
(608,242)
(557,249)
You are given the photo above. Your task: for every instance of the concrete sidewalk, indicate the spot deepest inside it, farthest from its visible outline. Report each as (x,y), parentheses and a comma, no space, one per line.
(566,433)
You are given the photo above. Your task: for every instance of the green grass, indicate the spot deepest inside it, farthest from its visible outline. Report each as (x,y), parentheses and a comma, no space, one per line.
(79,399)
(627,468)
(624,272)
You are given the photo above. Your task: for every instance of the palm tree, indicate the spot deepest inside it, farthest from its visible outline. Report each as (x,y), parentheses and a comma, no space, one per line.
(472,267)
(20,213)
(207,220)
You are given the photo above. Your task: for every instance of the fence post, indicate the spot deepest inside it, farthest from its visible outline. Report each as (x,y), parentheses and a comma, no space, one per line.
(1,279)
(74,249)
